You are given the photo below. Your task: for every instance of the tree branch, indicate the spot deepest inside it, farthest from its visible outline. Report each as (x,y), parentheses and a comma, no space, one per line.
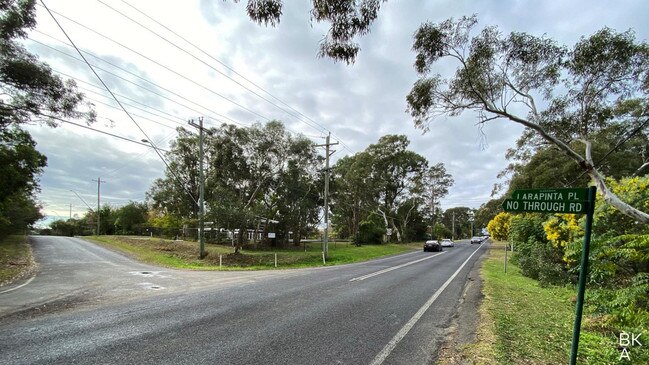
(637,172)
(608,195)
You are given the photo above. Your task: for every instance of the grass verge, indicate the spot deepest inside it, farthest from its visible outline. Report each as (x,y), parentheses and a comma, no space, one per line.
(183,254)
(15,258)
(524,323)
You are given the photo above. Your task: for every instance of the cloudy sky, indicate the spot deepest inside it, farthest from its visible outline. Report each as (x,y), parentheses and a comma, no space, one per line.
(235,71)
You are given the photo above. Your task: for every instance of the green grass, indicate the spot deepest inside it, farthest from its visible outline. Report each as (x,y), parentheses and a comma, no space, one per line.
(15,258)
(183,254)
(523,323)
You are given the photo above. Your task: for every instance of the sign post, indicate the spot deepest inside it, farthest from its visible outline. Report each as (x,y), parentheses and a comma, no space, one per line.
(583,270)
(569,200)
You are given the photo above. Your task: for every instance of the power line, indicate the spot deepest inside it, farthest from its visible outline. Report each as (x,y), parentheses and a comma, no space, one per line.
(143,107)
(131,82)
(117,100)
(321,128)
(617,145)
(139,156)
(157,63)
(100,131)
(224,65)
(195,82)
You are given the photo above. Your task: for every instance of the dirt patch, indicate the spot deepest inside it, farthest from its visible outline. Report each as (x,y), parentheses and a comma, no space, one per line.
(69,301)
(19,263)
(464,325)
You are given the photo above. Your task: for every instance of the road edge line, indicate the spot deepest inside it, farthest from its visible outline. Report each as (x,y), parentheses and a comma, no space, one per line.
(19,286)
(381,356)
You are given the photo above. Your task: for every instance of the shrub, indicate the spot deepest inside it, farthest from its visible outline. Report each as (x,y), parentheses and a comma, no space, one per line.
(499,226)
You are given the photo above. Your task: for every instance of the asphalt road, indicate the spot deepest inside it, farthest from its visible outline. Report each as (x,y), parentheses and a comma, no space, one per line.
(394,310)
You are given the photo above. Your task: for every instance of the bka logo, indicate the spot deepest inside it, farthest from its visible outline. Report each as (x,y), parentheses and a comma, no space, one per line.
(628,340)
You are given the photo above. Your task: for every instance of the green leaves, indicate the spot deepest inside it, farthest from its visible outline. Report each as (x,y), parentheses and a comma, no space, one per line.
(20,165)
(252,174)
(347,19)
(32,89)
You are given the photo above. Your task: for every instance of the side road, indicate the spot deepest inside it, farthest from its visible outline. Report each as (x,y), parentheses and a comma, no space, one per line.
(72,271)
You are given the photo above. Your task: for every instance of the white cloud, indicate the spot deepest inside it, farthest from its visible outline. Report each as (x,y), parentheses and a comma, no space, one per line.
(358,103)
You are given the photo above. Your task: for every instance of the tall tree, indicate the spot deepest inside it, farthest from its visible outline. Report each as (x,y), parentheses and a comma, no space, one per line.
(385,178)
(397,173)
(436,182)
(243,174)
(177,192)
(20,165)
(567,94)
(29,92)
(353,193)
(548,166)
(299,189)
(458,220)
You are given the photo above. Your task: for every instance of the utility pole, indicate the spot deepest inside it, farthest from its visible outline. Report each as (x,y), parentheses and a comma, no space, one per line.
(325,244)
(432,217)
(70,211)
(99,181)
(201,197)
(453,230)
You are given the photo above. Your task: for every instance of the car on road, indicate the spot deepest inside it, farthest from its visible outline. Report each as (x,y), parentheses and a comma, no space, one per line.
(433,246)
(476,239)
(447,242)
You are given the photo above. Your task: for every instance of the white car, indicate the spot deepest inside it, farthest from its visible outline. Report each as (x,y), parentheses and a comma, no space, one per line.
(447,242)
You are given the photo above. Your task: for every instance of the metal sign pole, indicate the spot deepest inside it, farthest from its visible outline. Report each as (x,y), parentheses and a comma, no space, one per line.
(583,271)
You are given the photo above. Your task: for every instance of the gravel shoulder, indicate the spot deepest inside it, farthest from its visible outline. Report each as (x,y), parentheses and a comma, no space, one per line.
(465,322)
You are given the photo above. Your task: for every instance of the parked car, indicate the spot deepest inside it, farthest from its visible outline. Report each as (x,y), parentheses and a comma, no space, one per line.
(433,246)
(476,239)
(447,242)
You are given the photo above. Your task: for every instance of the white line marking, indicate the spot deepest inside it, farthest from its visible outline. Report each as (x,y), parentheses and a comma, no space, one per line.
(19,286)
(392,268)
(380,358)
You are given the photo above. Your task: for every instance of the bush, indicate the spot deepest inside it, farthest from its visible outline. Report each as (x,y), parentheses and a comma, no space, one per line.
(535,255)
(370,232)
(499,226)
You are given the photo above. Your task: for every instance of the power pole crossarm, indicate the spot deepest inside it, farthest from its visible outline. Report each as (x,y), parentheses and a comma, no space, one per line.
(327,145)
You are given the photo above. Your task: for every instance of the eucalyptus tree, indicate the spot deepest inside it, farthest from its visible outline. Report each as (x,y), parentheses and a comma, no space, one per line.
(435,184)
(458,220)
(396,173)
(262,173)
(298,190)
(347,19)
(176,193)
(30,92)
(353,195)
(561,95)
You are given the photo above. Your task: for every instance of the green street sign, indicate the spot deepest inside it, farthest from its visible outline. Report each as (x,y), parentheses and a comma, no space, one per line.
(545,206)
(569,200)
(567,194)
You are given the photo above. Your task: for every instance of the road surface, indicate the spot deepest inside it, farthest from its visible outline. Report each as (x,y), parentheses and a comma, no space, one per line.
(394,310)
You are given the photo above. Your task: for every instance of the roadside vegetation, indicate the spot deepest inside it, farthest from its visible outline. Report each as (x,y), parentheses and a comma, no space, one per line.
(15,258)
(525,322)
(183,254)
